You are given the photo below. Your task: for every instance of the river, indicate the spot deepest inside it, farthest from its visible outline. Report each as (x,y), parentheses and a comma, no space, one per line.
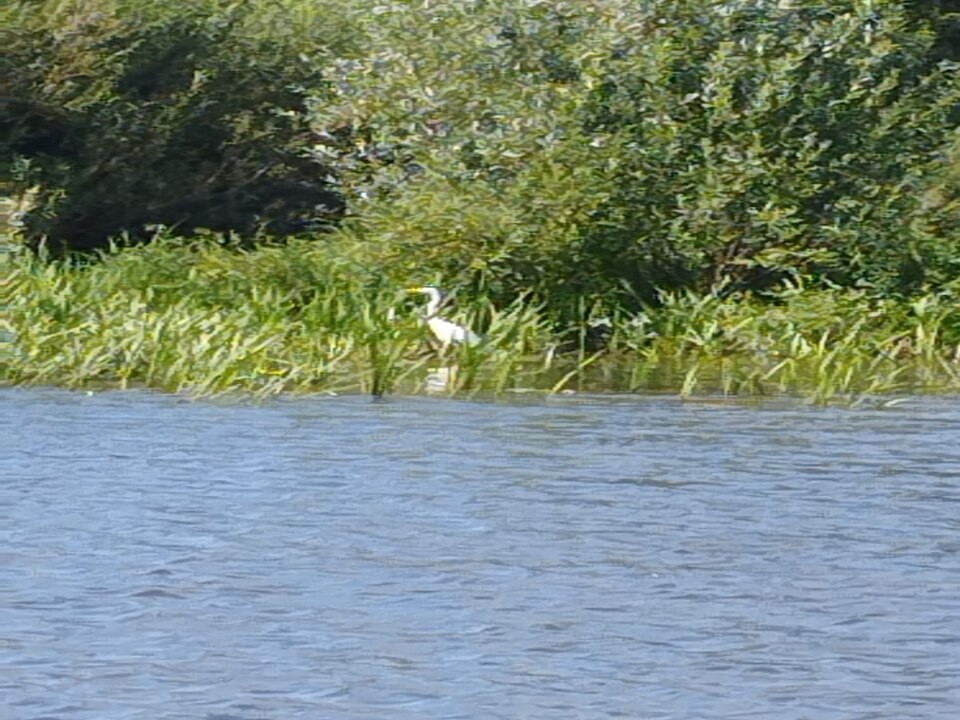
(576,557)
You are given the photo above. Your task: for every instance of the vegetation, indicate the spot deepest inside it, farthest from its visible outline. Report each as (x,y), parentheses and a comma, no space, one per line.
(739,197)
(204,319)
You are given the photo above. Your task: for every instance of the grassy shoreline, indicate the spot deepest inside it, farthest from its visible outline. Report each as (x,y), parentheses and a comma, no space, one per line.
(203,319)
(623,196)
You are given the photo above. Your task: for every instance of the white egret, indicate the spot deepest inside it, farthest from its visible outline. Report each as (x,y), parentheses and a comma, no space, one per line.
(446,332)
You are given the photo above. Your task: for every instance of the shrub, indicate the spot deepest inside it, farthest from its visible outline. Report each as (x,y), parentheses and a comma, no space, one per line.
(592,152)
(187,116)
(603,149)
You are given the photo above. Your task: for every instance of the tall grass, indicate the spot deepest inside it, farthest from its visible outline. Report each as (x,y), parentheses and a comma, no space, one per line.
(204,319)
(825,345)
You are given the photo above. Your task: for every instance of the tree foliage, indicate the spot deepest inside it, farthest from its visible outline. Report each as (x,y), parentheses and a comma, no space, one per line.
(598,149)
(138,114)
(612,148)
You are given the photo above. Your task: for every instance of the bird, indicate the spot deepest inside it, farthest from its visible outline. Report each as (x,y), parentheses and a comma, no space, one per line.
(447,332)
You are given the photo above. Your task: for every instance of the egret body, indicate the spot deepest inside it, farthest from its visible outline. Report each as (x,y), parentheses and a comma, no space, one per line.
(444,330)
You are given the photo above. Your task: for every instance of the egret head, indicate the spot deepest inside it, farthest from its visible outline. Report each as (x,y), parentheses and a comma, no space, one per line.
(431,291)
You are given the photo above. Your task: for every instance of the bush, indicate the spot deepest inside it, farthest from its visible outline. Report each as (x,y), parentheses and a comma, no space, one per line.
(760,145)
(132,115)
(592,153)
(599,149)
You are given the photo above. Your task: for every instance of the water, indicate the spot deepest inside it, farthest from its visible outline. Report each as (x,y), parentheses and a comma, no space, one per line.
(428,558)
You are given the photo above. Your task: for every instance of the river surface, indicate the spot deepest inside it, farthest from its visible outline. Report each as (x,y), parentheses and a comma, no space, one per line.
(578,557)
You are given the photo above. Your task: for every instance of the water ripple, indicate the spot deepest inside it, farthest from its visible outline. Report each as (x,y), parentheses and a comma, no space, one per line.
(579,557)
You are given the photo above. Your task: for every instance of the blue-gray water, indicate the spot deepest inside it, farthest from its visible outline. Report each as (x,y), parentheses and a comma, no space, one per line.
(573,558)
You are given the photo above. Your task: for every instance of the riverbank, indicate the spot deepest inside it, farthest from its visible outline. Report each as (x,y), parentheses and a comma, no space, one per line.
(622,196)
(205,319)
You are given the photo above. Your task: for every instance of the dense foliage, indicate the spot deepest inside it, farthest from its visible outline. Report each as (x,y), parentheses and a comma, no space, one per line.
(594,156)
(611,148)
(131,116)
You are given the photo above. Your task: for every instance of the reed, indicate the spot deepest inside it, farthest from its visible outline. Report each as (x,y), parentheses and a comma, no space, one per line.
(205,319)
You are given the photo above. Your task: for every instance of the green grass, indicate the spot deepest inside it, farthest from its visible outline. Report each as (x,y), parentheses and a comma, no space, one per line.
(204,319)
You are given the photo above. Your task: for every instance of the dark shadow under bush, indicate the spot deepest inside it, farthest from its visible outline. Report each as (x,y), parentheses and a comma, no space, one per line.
(187,120)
